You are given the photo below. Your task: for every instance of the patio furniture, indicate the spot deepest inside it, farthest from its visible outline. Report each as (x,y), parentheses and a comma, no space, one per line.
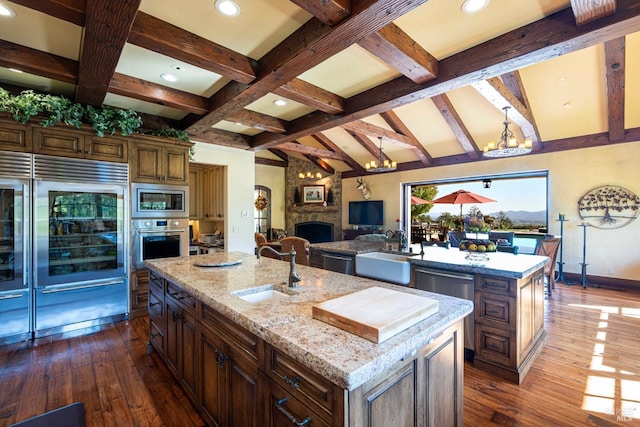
(548,247)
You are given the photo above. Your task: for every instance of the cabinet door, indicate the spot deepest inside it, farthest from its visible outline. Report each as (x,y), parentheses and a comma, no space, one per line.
(538,309)
(108,149)
(146,162)
(176,165)
(188,355)
(56,142)
(213,193)
(172,337)
(243,391)
(212,391)
(15,137)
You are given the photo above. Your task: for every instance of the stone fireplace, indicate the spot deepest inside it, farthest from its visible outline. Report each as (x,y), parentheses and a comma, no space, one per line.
(315,231)
(313,214)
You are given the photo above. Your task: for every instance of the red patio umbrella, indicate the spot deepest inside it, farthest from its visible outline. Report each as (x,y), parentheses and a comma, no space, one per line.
(461,197)
(415,200)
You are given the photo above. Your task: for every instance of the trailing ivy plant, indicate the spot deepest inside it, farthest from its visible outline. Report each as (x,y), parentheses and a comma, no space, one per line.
(58,109)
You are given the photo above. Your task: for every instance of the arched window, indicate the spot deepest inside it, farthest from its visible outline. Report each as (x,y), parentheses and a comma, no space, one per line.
(262,210)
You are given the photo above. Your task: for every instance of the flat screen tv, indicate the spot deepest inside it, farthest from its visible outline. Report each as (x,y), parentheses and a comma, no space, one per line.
(368,212)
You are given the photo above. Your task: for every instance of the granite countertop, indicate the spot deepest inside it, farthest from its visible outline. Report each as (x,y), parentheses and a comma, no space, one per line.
(339,356)
(500,264)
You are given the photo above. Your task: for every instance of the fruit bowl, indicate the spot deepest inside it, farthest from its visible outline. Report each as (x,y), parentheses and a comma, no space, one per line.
(477,259)
(478,245)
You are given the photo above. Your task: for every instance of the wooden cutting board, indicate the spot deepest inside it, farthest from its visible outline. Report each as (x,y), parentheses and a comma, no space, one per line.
(375,314)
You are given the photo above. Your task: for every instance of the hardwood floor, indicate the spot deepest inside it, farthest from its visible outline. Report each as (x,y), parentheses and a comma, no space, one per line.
(587,374)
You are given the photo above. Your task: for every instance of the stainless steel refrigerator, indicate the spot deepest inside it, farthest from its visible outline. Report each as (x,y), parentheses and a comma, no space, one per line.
(74,237)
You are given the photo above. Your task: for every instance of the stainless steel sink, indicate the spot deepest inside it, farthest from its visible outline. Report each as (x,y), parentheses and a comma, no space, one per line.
(264,293)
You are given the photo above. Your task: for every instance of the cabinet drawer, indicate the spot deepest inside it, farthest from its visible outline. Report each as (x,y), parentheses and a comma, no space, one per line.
(181,297)
(156,307)
(496,345)
(140,280)
(285,410)
(154,281)
(312,389)
(495,310)
(499,285)
(156,337)
(234,334)
(139,300)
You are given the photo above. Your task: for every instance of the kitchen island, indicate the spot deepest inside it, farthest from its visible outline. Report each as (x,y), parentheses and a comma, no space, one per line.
(271,363)
(505,333)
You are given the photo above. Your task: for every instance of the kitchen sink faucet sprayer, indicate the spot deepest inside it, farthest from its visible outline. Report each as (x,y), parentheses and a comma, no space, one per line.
(294,277)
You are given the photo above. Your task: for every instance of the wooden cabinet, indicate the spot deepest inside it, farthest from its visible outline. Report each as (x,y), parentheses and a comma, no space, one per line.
(214,195)
(71,143)
(195,192)
(15,137)
(138,285)
(158,162)
(509,324)
(236,379)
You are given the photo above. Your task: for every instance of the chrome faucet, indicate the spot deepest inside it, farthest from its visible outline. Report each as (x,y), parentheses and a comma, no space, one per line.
(294,277)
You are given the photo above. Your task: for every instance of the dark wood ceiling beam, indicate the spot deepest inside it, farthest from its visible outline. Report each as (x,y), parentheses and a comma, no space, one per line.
(586,11)
(144,90)
(280,154)
(544,39)
(330,145)
(497,93)
(614,51)
(258,121)
(369,129)
(399,126)
(321,164)
(312,96)
(159,36)
(329,12)
(397,49)
(223,137)
(454,121)
(305,149)
(107,26)
(513,82)
(372,148)
(307,47)
(270,162)
(37,62)
(67,10)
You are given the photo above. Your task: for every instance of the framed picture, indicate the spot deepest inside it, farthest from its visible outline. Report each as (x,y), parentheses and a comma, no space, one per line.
(313,194)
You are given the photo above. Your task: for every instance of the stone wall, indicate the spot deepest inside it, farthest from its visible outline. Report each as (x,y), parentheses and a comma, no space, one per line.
(302,212)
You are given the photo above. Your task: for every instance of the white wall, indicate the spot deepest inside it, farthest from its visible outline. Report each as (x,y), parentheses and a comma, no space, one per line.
(274,178)
(238,229)
(610,253)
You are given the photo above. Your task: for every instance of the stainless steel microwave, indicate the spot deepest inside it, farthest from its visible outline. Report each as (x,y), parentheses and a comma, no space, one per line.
(159,201)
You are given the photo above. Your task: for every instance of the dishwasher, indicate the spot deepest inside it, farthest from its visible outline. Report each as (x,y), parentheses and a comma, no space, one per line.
(458,285)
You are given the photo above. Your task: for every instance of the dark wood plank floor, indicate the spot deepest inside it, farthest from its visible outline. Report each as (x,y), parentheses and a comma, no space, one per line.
(587,375)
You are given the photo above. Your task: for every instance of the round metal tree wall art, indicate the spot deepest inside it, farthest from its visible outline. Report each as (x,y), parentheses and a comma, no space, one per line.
(609,207)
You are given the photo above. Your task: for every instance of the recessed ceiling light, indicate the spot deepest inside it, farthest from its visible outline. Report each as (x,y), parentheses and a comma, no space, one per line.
(280,102)
(169,77)
(5,11)
(473,6)
(227,7)
(15,70)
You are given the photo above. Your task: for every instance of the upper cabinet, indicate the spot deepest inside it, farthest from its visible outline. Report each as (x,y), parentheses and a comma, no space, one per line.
(15,136)
(207,192)
(155,162)
(71,143)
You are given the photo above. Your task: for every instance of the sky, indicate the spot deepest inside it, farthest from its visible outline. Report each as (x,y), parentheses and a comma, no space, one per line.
(522,194)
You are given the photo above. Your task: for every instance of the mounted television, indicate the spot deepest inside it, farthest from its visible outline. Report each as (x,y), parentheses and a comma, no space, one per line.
(368,212)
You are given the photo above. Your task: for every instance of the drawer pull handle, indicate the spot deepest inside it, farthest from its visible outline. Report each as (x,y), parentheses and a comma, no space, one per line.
(176,316)
(492,284)
(492,311)
(493,346)
(151,304)
(221,358)
(287,414)
(154,335)
(293,382)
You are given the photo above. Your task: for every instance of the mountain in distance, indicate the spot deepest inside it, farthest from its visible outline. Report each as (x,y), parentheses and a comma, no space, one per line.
(524,217)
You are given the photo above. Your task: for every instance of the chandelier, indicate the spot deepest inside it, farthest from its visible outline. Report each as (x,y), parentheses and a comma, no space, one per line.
(508,145)
(310,175)
(380,165)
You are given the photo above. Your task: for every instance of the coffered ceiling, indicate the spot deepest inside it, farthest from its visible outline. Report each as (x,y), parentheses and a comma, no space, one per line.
(426,77)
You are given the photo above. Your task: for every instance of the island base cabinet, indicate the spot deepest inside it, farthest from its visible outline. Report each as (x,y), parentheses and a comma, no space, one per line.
(181,342)
(282,409)
(424,390)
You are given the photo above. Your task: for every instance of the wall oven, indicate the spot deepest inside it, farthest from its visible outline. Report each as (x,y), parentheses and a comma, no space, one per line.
(158,238)
(159,201)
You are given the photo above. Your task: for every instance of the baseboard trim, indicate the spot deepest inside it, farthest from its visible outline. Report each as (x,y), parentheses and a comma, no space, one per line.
(604,282)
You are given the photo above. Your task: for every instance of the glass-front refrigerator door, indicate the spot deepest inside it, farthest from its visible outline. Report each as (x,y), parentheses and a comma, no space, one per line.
(14,287)
(80,232)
